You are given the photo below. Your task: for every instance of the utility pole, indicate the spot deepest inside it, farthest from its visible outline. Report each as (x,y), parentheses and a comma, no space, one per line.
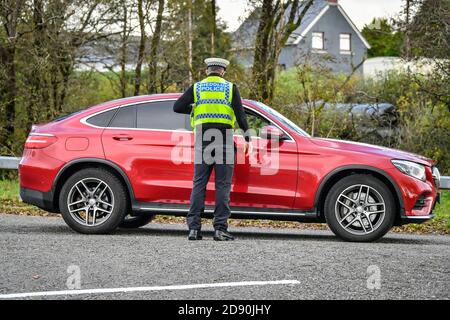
(123,50)
(190,41)
(214,27)
(407,33)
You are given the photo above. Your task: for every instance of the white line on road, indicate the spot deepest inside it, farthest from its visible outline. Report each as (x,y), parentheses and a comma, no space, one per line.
(140,289)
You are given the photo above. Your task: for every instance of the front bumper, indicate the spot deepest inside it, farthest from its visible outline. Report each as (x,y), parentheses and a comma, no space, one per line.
(43,200)
(415,219)
(419,197)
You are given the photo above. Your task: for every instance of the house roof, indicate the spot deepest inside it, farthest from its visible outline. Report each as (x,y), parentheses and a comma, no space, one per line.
(244,36)
(314,13)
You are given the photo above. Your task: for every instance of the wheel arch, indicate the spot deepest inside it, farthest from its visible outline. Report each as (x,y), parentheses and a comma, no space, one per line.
(334,176)
(72,166)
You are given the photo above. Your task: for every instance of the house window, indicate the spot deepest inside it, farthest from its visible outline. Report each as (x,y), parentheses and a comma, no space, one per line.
(318,41)
(345,42)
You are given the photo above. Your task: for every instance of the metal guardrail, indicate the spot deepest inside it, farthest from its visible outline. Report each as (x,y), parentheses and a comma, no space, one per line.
(9,163)
(13,163)
(445,183)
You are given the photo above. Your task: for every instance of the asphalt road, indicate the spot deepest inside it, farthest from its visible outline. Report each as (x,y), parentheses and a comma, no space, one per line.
(35,254)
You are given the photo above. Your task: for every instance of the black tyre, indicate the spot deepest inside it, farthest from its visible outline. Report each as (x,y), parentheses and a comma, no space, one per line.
(93,201)
(133,222)
(360,208)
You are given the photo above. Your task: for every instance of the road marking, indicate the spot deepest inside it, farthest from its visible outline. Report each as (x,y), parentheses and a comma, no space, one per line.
(141,289)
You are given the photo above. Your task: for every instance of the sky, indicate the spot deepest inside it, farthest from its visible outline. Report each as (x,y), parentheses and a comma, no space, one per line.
(360,11)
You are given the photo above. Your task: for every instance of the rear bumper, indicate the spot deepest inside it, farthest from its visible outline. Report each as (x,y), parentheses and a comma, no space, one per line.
(43,200)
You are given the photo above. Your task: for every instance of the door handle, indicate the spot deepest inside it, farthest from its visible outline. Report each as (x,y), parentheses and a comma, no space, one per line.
(122,138)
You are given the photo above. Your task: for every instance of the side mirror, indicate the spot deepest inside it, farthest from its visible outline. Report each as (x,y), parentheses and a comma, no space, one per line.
(271,132)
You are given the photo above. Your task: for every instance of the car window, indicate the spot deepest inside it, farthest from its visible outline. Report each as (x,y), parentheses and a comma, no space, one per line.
(102,119)
(282,119)
(125,118)
(160,115)
(255,122)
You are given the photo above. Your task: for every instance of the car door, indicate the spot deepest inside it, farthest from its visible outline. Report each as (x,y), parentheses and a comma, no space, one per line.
(152,144)
(268,178)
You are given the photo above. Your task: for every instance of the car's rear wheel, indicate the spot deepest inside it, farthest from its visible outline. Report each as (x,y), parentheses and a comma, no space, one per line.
(93,201)
(133,222)
(360,208)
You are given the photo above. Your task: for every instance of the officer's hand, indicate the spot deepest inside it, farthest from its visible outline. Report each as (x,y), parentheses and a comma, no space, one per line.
(248,148)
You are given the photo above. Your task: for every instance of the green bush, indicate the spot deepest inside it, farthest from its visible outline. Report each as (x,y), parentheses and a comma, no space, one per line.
(420,122)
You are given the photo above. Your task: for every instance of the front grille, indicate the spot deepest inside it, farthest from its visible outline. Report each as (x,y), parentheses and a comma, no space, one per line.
(420,203)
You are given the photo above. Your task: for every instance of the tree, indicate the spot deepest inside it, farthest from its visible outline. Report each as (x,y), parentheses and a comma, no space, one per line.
(384,41)
(277,21)
(176,65)
(114,50)
(10,14)
(70,25)
(51,50)
(429,29)
(428,38)
(142,45)
(36,82)
(156,38)
(126,30)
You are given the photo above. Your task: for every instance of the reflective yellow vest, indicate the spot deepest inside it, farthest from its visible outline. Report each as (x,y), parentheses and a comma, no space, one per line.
(212,102)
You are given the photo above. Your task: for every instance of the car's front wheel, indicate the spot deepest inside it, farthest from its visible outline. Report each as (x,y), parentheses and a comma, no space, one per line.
(360,208)
(93,201)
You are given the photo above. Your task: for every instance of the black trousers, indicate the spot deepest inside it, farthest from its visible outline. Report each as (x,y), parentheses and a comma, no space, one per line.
(218,154)
(223,177)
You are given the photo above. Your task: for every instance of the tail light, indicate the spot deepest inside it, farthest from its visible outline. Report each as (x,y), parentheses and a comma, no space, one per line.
(40,140)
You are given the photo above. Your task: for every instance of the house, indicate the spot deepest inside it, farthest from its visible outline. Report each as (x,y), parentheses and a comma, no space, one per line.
(326,34)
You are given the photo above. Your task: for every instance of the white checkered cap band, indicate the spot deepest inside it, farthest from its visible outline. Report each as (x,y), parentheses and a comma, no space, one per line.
(217,62)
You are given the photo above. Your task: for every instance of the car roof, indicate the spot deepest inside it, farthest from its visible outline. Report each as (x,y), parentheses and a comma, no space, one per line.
(138,99)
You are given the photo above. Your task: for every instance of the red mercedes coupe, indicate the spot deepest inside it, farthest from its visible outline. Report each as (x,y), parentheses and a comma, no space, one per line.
(112,165)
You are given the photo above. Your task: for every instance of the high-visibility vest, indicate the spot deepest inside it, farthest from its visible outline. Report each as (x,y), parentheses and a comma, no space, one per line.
(212,102)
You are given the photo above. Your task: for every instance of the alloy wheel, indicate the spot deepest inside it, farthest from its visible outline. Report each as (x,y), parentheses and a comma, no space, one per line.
(360,209)
(90,202)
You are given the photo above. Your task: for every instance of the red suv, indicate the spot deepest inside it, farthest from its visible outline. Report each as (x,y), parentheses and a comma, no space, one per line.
(112,165)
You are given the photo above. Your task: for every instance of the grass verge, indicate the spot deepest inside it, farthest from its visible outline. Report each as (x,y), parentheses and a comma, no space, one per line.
(10,203)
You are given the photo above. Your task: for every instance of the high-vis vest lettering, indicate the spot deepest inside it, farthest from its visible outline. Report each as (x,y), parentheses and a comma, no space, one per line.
(212,102)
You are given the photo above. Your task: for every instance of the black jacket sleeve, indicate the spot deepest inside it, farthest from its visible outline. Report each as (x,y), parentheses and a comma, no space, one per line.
(241,117)
(184,103)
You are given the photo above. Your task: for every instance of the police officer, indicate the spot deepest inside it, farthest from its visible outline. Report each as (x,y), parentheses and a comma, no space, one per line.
(214,105)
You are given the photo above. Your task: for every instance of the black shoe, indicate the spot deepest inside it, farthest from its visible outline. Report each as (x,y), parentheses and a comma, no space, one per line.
(222,236)
(195,235)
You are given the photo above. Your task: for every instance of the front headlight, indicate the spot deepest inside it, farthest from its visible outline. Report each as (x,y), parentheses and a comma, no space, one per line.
(410,168)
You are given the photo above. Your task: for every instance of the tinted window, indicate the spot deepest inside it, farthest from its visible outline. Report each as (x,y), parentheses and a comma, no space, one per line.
(160,115)
(281,118)
(255,122)
(125,118)
(102,119)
